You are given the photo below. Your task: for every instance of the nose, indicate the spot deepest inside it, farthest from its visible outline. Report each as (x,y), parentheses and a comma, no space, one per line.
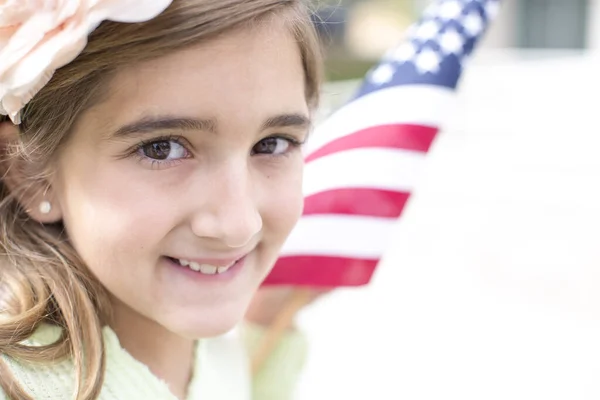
(228,211)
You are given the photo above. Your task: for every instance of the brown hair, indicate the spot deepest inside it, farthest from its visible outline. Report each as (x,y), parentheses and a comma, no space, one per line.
(42,279)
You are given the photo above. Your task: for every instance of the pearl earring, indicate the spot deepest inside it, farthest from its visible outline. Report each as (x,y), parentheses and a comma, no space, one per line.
(45,207)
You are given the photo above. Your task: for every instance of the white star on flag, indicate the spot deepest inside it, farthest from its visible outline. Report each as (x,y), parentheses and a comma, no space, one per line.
(428,30)
(451,42)
(428,60)
(431,10)
(382,74)
(473,24)
(403,53)
(450,10)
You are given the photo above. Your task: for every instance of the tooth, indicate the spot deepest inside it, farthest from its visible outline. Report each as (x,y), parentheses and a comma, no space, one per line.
(194,266)
(208,269)
(185,263)
(220,270)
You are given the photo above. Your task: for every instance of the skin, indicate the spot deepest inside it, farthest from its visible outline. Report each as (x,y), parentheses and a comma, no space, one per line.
(227,189)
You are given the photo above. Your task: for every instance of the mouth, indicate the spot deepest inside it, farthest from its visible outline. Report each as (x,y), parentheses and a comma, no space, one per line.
(205,269)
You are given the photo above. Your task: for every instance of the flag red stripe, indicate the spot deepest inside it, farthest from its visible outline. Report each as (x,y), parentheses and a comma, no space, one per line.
(321,271)
(363,201)
(400,136)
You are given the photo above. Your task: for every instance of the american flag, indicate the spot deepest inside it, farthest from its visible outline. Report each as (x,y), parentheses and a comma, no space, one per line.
(363,161)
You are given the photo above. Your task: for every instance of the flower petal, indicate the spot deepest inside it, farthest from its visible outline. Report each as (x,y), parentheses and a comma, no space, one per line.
(133,10)
(38,36)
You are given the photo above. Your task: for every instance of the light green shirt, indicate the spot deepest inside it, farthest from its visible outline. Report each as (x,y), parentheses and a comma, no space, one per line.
(221,370)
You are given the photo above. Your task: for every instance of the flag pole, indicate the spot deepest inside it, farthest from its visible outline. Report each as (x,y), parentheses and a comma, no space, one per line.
(298,299)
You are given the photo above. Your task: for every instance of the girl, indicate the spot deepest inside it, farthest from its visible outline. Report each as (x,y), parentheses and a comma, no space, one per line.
(149,179)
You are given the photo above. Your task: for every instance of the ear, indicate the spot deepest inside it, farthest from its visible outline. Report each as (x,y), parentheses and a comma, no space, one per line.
(35,195)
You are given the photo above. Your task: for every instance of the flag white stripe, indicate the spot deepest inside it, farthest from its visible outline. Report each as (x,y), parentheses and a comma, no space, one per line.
(377,168)
(340,236)
(407,104)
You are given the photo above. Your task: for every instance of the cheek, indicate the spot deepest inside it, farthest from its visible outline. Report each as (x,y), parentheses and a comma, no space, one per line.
(111,210)
(284,201)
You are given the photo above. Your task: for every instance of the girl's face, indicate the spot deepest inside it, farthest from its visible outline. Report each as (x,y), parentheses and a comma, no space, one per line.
(179,189)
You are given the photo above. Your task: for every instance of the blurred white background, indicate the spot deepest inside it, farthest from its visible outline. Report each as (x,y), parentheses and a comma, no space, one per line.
(492,288)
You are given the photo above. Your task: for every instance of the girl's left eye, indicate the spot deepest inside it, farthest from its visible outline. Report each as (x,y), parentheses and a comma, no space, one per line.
(163,150)
(274,145)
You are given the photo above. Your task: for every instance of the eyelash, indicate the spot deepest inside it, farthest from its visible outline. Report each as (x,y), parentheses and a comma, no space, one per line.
(136,151)
(293,143)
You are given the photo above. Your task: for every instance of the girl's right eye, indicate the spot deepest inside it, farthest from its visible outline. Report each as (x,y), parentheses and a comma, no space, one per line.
(162,152)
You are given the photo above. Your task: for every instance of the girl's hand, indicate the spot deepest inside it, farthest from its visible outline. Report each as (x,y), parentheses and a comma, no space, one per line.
(269,302)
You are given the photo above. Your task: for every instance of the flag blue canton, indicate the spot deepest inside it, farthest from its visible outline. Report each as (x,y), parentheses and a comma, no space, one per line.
(436,46)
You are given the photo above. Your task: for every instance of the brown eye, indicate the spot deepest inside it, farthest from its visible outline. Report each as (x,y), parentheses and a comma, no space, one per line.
(157,150)
(271,145)
(164,150)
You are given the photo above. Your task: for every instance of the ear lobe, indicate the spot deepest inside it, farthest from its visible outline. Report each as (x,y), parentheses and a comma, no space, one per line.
(34,195)
(41,206)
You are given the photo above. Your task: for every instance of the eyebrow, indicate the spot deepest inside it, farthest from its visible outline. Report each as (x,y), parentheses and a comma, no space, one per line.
(287,120)
(152,124)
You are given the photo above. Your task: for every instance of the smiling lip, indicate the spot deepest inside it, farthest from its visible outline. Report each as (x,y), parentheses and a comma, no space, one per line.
(209,266)
(216,262)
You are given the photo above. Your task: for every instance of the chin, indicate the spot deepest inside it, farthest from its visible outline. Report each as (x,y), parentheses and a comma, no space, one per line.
(205,323)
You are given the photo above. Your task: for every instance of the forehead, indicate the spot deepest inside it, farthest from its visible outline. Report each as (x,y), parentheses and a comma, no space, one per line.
(250,73)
